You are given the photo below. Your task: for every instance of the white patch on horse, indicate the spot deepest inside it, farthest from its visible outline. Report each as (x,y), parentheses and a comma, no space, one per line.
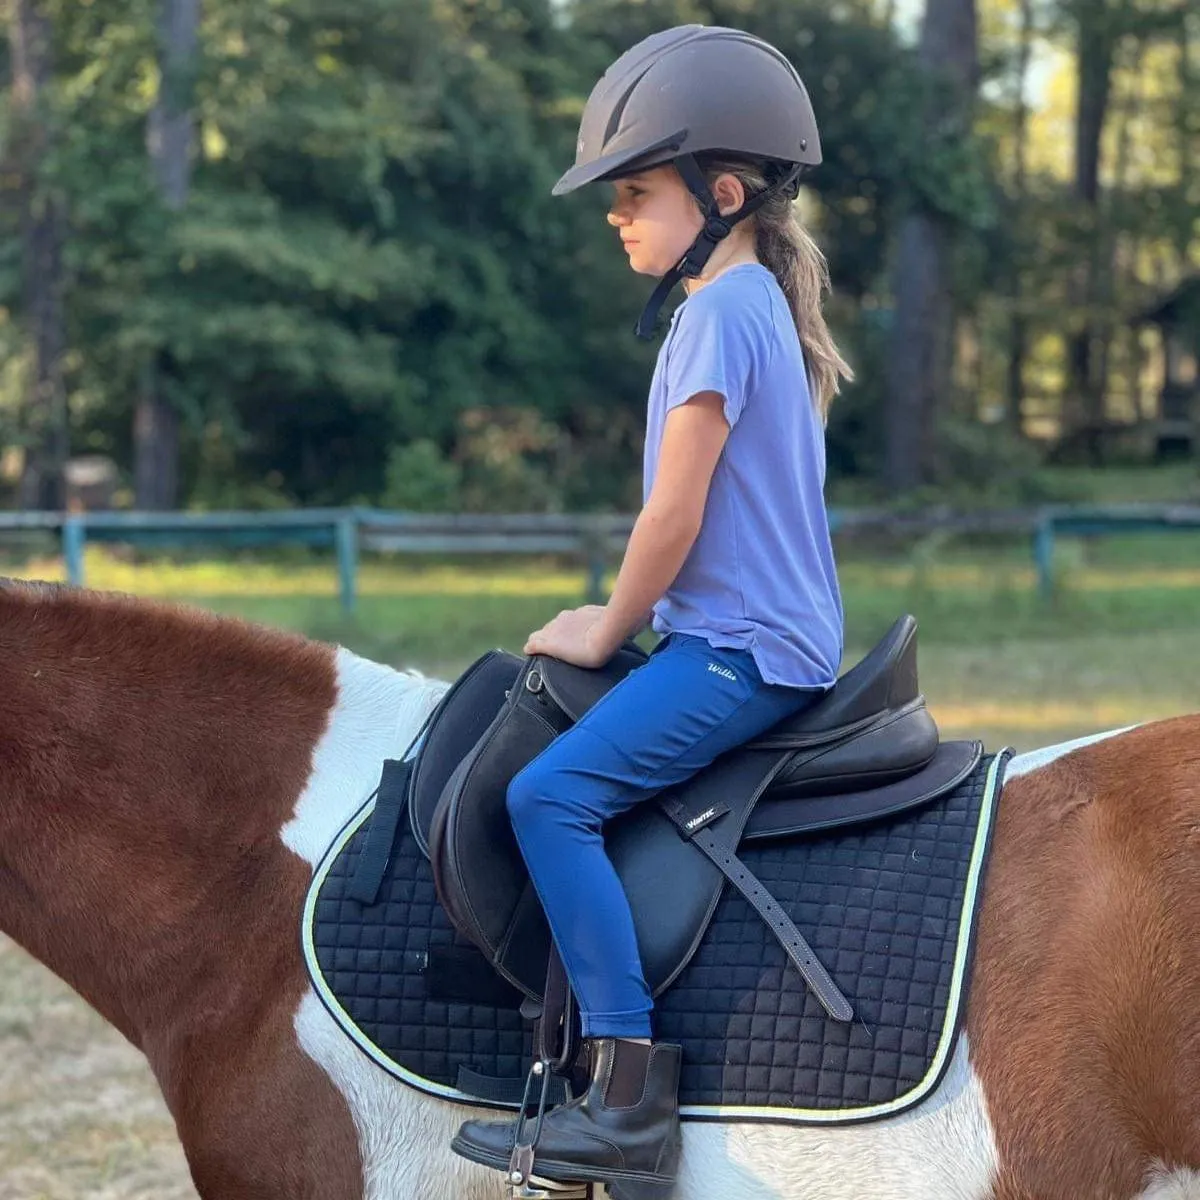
(403,1135)
(1022,764)
(1167,1184)
(377,714)
(942,1150)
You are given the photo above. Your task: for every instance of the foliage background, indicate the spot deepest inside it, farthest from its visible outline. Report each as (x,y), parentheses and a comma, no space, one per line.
(366,293)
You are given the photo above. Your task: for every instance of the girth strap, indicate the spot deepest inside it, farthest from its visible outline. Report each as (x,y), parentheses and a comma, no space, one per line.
(506,1090)
(795,945)
(716,829)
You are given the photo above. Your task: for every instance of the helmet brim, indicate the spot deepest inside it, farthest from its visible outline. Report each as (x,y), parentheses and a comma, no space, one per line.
(620,163)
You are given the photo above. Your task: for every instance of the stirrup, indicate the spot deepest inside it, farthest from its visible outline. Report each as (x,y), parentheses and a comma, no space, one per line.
(547,1189)
(520,1164)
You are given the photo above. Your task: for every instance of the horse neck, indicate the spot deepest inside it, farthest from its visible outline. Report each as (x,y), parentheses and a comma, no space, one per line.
(148,761)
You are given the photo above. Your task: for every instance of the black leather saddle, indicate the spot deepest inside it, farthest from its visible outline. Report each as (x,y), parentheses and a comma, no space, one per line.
(868,749)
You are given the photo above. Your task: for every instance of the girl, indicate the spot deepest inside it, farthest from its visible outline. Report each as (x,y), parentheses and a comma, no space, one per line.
(702,133)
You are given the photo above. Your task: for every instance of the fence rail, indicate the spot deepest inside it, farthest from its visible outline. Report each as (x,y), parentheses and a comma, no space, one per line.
(596,539)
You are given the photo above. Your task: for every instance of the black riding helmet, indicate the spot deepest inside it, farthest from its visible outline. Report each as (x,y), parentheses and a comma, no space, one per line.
(686,91)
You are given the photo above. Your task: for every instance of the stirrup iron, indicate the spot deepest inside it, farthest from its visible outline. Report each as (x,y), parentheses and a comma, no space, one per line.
(520,1164)
(547,1189)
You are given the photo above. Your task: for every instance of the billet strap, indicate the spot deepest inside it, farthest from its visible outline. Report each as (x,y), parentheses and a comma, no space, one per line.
(390,799)
(554,1031)
(505,1090)
(700,831)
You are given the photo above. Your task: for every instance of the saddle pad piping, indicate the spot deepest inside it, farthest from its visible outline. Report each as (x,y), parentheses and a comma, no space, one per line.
(951,1028)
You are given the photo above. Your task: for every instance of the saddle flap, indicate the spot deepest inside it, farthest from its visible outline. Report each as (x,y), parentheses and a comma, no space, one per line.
(457,724)
(478,870)
(673,890)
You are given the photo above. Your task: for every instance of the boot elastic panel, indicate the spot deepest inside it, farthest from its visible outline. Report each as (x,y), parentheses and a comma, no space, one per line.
(627,1076)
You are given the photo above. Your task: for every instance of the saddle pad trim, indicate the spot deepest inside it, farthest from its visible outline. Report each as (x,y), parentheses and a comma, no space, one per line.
(951,1027)
(963,956)
(330,1001)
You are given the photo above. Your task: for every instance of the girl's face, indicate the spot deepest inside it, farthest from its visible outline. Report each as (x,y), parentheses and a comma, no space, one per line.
(658,220)
(656,217)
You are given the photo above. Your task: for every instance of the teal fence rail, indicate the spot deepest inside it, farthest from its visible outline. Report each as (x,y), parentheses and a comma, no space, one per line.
(597,540)
(1095,521)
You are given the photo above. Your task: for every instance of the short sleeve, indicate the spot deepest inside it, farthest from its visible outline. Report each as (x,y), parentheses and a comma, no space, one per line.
(712,351)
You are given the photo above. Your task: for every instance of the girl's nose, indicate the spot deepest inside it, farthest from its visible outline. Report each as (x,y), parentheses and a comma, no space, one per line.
(616,217)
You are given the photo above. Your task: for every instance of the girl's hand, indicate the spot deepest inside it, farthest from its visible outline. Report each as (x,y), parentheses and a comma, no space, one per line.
(576,636)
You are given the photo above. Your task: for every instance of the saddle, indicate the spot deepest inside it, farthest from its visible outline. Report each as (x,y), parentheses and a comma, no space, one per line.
(868,749)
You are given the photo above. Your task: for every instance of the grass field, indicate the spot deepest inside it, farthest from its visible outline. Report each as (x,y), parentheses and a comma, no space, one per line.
(1119,643)
(1112,646)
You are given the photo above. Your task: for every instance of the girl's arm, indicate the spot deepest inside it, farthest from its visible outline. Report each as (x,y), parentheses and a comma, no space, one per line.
(694,435)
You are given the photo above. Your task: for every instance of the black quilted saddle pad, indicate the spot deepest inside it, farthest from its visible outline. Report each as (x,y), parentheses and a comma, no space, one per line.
(889,907)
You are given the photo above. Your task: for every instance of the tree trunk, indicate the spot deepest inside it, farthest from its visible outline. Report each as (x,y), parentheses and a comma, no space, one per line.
(1187,126)
(1187,118)
(1097,38)
(1018,326)
(156,438)
(922,331)
(919,371)
(169,143)
(1117,267)
(43,230)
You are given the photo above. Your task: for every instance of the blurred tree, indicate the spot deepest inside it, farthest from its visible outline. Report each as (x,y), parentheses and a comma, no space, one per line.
(370,293)
(1018,321)
(43,230)
(920,363)
(169,135)
(1101,28)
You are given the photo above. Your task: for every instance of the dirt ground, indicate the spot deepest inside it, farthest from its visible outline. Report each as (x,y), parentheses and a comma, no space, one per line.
(80,1115)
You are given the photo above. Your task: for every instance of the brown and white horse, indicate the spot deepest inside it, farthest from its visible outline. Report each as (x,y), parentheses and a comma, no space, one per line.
(169,780)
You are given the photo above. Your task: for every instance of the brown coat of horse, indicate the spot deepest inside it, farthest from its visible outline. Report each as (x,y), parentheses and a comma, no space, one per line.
(169,779)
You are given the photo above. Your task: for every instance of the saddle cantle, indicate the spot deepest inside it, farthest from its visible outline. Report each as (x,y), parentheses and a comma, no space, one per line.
(868,749)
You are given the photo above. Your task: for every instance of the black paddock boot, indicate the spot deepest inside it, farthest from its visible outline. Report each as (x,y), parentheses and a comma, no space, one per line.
(623,1130)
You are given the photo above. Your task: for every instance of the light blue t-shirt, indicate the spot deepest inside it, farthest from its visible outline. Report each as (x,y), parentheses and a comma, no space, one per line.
(760,575)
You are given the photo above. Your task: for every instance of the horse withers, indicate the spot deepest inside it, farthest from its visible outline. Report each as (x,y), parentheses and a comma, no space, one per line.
(171,780)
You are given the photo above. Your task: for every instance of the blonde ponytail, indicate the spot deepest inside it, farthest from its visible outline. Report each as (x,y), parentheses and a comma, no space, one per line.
(788,251)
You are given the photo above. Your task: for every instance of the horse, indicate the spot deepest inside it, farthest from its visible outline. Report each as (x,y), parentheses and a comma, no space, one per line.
(171,778)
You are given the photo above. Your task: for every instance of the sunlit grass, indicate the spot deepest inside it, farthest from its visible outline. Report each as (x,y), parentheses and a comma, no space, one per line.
(1117,643)
(305,576)
(1119,563)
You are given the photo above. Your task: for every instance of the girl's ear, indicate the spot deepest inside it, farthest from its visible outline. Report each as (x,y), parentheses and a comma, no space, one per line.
(729,193)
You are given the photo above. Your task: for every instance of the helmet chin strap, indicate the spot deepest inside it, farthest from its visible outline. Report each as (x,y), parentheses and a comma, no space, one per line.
(716,229)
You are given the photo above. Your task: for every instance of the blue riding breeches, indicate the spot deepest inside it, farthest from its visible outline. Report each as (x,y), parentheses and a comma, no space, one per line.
(661,724)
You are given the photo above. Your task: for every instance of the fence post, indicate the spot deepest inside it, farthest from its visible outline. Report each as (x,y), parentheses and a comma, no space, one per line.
(594,547)
(346,537)
(1043,554)
(74,535)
